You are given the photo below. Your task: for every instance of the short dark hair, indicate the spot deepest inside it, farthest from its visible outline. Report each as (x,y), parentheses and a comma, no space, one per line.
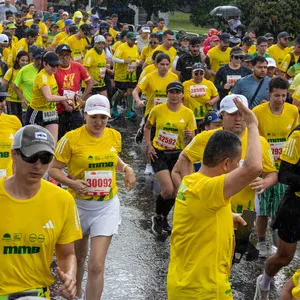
(155,53)
(261,39)
(258,59)
(278,82)
(162,56)
(221,145)
(31,33)
(114,16)
(195,40)
(153,36)
(160,19)
(170,32)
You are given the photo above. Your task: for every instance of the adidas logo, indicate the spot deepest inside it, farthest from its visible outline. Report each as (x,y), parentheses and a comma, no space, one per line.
(181,121)
(11,137)
(289,127)
(49,225)
(112,149)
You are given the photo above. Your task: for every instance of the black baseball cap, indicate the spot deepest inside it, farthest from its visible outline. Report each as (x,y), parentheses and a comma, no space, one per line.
(51,58)
(269,36)
(62,47)
(283,34)
(247,40)
(236,51)
(36,51)
(175,85)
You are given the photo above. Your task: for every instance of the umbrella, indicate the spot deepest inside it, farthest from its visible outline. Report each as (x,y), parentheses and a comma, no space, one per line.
(225,11)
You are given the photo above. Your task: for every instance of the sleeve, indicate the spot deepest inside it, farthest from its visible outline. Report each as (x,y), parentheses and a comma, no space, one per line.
(118,53)
(143,83)
(296,94)
(8,75)
(42,80)
(71,230)
(179,65)
(84,73)
(237,88)
(214,91)
(285,63)
(219,80)
(295,83)
(291,151)
(117,138)
(87,60)
(195,149)
(267,157)
(63,151)
(152,116)
(19,79)
(192,125)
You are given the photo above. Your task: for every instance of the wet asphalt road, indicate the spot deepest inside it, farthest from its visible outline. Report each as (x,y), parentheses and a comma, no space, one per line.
(137,261)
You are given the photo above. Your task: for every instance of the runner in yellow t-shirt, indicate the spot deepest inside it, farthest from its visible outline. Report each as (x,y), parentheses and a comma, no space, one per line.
(160,26)
(174,125)
(24,43)
(91,153)
(200,94)
(126,60)
(203,232)
(148,50)
(291,58)
(52,222)
(296,97)
(42,109)
(276,119)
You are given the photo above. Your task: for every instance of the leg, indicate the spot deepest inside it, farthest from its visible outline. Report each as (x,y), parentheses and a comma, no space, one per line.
(95,282)
(166,184)
(261,225)
(129,113)
(104,93)
(53,128)
(81,250)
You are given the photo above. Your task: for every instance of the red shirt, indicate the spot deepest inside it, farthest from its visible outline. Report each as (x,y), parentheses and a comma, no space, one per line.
(70,80)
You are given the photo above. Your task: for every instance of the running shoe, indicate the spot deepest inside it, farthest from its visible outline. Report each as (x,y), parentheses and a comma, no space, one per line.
(130,115)
(139,136)
(156,225)
(166,226)
(148,170)
(263,250)
(259,293)
(115,112)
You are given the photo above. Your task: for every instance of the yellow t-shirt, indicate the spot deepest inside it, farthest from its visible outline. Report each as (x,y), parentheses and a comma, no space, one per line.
(9,125)
(156,29)
(286,62)
(296,94)
(218,58)
(149,69)
(277,53)
(154,87)
(9,55)
(77,47)
(59,38)
(171,52)
(10,76)
(21,45)
(96,65)
(245,199)
(201,241)
(126,72)
(252,49)
(60,24)
(38,101)
(291,151)
(276,128)
(296,281)
(14,40)
(113,33)
(196,96)
(88,157)
(43,27)
(29,231)
(116,45)
(146,52)
(170,126)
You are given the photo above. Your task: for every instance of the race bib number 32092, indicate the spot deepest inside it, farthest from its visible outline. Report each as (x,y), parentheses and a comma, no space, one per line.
(99,182)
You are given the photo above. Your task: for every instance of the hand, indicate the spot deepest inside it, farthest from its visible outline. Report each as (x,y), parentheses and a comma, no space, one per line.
(151,153)
(203,56)
(189,133)
(248,115)
(68,289)
(141,103)
(127,61)
(79,187)
(129,179)
(68,108)
(211,103)
(24,103)
(258,184)
(227,86)
(237,219)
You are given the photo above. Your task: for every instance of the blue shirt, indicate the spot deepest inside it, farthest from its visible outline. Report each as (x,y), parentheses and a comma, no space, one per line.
(247,86)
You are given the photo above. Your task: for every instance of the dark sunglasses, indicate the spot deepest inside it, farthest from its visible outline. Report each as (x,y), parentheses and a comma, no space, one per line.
(286,39)
(53,66)
(198,73)
(237,57)
(44,158)
(153,43)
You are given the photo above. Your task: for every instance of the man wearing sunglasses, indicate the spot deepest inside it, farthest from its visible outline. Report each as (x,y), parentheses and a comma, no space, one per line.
(149,49)
(281,49)
(228,75)
(44,218)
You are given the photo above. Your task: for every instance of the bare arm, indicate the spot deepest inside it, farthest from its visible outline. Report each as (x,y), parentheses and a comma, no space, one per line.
(129,179)
(88,88)
(53,98)
(150,149)
(136,96)
(213,100)
(239,178)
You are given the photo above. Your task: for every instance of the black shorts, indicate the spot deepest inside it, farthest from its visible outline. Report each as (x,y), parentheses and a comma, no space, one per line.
(123,86)
(165,160)
(288,217)
(69,121)
(96,90)
(41,118)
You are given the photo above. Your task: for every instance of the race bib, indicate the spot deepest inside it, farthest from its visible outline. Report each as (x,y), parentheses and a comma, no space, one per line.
(2,173)
(49,116)
(99,182)
(277,149)
(77,57)
(69,93)
(198,90)
(102,72)
(232,79)
(131,67)
(160,100)
(167,140)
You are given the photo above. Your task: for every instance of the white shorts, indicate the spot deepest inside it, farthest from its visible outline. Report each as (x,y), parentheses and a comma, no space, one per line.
(99,218)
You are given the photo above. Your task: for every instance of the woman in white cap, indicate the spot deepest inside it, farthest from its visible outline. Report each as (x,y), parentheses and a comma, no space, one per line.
(91,154)
(95,62)
(42,110)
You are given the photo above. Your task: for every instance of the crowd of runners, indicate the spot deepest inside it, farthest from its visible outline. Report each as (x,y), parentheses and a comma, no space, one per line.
(220,132)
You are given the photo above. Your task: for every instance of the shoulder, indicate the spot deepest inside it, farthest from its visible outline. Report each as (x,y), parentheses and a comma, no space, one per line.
(261,108)
(291,108)
(12,121)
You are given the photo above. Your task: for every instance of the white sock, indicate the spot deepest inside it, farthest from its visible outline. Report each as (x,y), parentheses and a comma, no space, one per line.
(265,282)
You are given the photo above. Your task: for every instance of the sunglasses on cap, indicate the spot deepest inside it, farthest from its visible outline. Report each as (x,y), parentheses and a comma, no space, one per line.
(44,158)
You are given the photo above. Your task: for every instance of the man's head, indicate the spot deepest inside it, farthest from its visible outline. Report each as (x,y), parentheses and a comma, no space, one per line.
(131,38)
(65,15)
(194,45)
(7,2)
(19,19)
(32,151)
(50,9)
(236,55)
(262,45)
(37,17)
(224,41)
(297,45)
(160,23)
(224,150)
(36,53)
(153,40)
(232,118)
(198,70)
(271,68)
(247,42)
(278,87)
(252,35)
(259,64)
(114,18)
(211,120)
(270,38)
(283,39)
(145,31)
(168,39)
(84,30)
(31,9)
(64,53)
(4,41)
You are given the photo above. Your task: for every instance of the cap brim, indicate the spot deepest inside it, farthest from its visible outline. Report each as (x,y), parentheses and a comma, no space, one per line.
(171,89)
(229,111)
(34,148)
(98,112)
(216,120)
(198,70)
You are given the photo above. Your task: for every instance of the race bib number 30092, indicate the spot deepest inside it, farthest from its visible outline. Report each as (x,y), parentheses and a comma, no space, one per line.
(99,182)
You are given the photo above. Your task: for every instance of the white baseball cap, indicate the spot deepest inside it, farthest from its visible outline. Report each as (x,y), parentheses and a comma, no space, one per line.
(99,38)
(146,29)
(97,105)
(4,39)
(228,105)
(271,62)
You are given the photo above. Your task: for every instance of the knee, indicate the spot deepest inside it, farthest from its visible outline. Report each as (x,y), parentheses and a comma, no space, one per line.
(284,258)
(167,193)
(80,259)
(96,269)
